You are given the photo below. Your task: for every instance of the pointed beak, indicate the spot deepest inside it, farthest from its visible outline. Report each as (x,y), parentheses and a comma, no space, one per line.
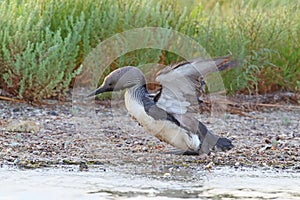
(99,90)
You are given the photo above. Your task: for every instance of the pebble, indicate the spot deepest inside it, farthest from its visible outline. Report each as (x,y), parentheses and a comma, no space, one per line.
(66,144)
(53,113)
(16,110)
(15,144)
(237,164)
(83,166)
(36,152)
(43,154)
(145,149)
(127,141)
(209,166)
(260,140)
(16,161)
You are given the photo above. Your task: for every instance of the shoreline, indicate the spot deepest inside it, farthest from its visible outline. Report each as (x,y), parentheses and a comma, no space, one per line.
(45,136)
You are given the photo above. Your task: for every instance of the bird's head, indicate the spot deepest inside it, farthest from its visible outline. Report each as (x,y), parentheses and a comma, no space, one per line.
(120,79)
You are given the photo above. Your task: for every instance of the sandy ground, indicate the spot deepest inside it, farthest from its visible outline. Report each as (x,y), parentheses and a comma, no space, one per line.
(59,134)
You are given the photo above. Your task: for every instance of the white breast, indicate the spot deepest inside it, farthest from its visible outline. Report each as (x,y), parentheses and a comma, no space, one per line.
(164,130)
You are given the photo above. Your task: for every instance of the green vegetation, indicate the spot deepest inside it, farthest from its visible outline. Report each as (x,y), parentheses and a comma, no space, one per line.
(43,43)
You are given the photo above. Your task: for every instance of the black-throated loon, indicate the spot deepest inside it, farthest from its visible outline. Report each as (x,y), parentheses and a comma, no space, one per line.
(166,116)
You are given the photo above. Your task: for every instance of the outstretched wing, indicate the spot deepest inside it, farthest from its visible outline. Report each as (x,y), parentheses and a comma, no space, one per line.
(181,81)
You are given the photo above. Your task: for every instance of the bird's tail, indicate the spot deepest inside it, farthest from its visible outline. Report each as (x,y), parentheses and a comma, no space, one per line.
(209,141)
(224,144)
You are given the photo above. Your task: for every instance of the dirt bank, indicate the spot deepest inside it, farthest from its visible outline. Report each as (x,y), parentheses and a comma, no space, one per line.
(60,134)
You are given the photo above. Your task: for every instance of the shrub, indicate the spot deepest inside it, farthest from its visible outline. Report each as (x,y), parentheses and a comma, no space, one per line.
(37,62)
(43,43)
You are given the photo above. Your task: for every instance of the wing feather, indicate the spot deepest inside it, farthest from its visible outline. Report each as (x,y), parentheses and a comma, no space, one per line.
(180,81)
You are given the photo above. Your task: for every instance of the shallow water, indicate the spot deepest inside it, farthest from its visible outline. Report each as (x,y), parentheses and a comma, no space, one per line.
(220,183)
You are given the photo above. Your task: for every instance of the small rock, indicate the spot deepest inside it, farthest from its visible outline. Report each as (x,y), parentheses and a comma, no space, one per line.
(297,167)
(23,126)
(66,145)
(266,147)
(9,150)
(209,166)
(267,141)
(83,166)
(237,164)
(119,145)
(127,141)
(16,161)
(53,113)
(39,147)
(145,149)
(36,152)
(16,109)
(280,137)
(15,144)
(216,160)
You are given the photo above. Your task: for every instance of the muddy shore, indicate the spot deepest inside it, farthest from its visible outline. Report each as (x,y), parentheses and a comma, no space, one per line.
(59,134)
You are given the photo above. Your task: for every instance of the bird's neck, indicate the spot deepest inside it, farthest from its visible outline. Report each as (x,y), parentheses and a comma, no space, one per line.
(134,98)
(138,93)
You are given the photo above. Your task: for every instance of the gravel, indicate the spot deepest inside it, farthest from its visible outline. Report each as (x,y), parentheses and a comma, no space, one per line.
(64,134)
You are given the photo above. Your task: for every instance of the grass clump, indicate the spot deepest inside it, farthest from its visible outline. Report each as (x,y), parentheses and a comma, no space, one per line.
(36,62)
(43,43)
(264,34)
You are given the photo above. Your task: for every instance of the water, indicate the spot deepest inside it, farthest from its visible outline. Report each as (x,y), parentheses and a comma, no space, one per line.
(221,183)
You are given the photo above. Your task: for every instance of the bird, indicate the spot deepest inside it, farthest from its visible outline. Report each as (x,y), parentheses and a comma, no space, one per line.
(168,114)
